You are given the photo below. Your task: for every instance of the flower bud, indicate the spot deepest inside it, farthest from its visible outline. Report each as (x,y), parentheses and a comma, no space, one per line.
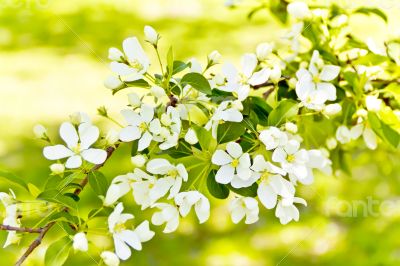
(276,74)
(332,109)
(157,91)
(373,103)
(109,258)
(291,127)
(263,50)
(139,160)
(113,83)
(299,10)
(191,137)
(78,118)
(151,35)
(343,134)
(57,168)
(134,100)
(331,143)
(361,113)
(115,54)
(80,242)
(292,83)
(112,136)
(214,57)
(39,131)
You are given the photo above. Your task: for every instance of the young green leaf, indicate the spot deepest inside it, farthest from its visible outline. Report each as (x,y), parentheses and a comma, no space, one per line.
(98,182)
(57,253)
(197,81)
(229,131)
(10,177)
(285,111)
(217,190)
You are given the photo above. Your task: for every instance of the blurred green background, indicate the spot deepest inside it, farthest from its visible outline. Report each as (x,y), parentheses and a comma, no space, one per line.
(53,60)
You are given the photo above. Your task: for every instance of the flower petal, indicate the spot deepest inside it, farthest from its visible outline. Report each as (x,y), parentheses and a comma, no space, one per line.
(57,152)
(220,157)
(329,72)
(260,77)
(225,174)
(88,134)
(69,135)
(249,63)
(143,231)
(129,133)
(95,156)
(145,141)
(234,149)
(121,249)
(267,195)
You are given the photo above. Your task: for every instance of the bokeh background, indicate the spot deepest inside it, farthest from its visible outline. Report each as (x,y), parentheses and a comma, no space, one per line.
(53,60)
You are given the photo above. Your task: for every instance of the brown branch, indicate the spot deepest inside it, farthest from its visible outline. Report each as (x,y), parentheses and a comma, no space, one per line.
(44,230)
(20,229)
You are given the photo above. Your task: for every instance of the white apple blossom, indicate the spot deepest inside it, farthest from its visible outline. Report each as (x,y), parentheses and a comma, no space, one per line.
(151,35)
(294,161)
(113,83)
(273,137)
(191,137)
(263,50)
(244,207)
(299,10)
(11,217)
(80,242)
(168,214)
(141,126)
(78,146)
(114,54)
(109,258)
(313,87)
(228,111)
(185,201)
(343,134)
(239,83)
(125,238)
(234,166)
(137,62)
(177,174)
(332,109)
(170,129)
(286,211)
(368,134)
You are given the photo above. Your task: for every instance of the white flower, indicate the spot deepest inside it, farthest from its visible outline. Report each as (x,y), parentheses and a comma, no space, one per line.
(115,54)
(11,217)
(313,87)
(168,214)
(139,160)
(39,131)
(286,211)
(185,201)
(273,137)
(113,83)
(123,238)
(240,83)
(78,118)
(373,103)
(112,136)
(191,137)
(141,126)
(332,109)
(294,161)
(276,74)
(343,134)
(235,165)
(176,173)
(214,57)
(228,111)
(242,207)
(57,168)
(368,134)
(263,50)
(137,59)
(319,159)
(157,92)
(170,129)
(80,242)
(134,100)
(109,258)
(78,146)
(151,35)
(299,10)
(195,66)
(272,183)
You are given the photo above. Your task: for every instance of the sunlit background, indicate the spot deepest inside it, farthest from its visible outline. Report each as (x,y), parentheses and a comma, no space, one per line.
(53,60)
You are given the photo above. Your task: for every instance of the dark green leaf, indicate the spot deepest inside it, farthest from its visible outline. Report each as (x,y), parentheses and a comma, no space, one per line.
(98,182)
(285,111)
(56,197)
(69,179)
(246,191)
(217,190)
(369,11)
(197,81)
(179,66)
(229,131)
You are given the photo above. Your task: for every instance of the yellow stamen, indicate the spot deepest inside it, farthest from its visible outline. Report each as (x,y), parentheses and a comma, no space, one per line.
(235,163)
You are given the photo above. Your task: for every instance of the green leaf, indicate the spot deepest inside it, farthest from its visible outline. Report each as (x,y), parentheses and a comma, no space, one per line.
(229,131)
(170,62)
(60,217)
(217,190)
(55,196)
(375,11)
(246,191)
(384,131)
(98,182)
(34,190)
(179,66)
(278,9)
(394,89)
(140,83)
(134,148)
(206,141)
(371,60)
(57,253)
(183,150)
(285,111)
(10,177)
(69,179)
(197,81)
(260,108)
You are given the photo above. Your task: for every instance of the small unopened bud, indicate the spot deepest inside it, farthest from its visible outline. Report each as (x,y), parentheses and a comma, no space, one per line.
(263,50)
(80,242)
(373,103)
(291,127)
(40,131)
(134,100)
(139,160)
(213,58)
(115,54)
(113,83)
(276,74)
(331,143)
(78,118)
(109,258)
(332,109)
(157,91)
(57,168)
(361,112)
(102,110)
(299,10)
(151,35)
(191,137)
